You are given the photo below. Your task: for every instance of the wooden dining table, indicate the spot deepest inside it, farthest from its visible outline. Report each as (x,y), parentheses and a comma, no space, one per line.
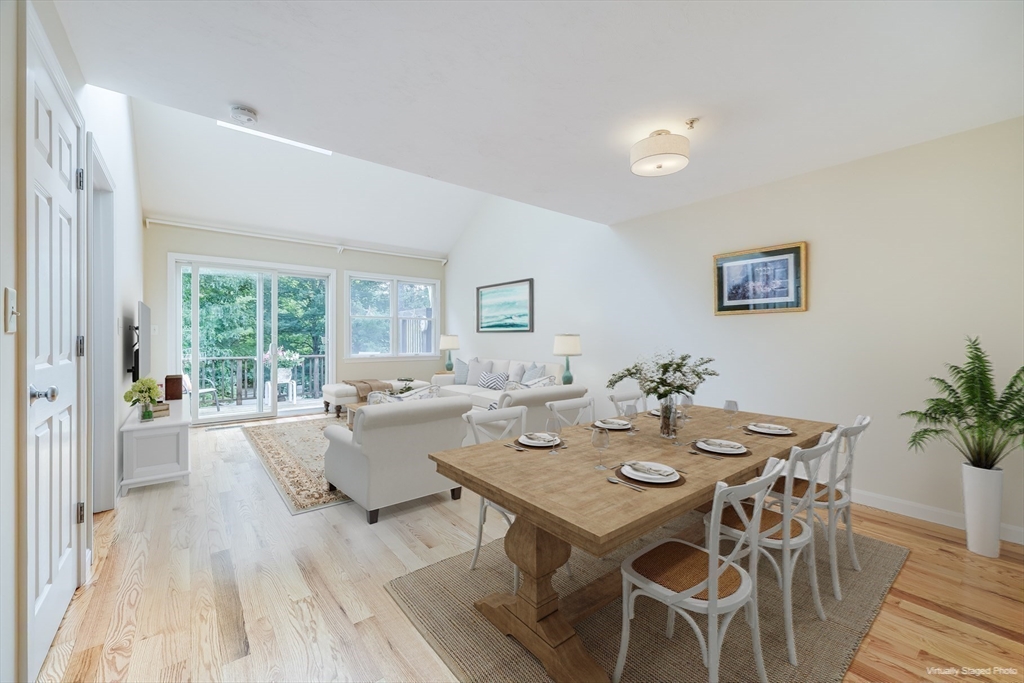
(561,501)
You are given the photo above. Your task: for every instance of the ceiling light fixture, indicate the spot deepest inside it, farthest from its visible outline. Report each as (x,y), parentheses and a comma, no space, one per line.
(275,138)
(661,153)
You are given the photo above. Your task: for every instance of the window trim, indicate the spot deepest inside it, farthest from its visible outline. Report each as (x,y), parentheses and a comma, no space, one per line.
(395,280)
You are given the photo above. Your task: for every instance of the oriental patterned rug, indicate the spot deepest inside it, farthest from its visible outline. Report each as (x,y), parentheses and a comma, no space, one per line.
(439,599)
(292,452)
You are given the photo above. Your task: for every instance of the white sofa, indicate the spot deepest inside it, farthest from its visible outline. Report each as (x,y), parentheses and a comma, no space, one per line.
(534,399)
(383,460)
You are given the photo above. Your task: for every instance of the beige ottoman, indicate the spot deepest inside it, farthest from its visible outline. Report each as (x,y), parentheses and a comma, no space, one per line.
(337,395)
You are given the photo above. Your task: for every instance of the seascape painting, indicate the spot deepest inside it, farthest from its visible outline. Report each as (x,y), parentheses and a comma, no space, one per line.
(505,307)
(764,280)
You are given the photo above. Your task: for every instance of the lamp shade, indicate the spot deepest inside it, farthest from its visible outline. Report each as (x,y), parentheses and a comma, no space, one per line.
(661,153)
(567,345)
(449,342)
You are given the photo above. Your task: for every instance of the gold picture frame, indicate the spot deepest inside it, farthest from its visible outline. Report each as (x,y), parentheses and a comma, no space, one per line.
(762,280)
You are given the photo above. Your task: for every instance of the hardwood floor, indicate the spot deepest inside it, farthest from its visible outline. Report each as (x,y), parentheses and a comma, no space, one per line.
(218,582)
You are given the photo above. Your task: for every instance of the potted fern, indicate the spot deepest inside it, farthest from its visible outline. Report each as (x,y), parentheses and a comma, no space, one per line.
(985,427)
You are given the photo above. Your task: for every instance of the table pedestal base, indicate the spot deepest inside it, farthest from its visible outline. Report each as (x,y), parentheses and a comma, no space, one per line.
(532,616)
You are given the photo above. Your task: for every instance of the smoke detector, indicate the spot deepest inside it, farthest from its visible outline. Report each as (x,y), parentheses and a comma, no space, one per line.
(244,116)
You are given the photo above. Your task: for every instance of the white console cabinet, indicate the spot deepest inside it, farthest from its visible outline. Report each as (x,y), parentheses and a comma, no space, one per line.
(156,451)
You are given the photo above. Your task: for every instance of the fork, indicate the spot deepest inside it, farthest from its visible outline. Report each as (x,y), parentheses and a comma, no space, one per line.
(518,448)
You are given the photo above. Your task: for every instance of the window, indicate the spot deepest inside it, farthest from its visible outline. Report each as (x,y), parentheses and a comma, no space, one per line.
(391,316)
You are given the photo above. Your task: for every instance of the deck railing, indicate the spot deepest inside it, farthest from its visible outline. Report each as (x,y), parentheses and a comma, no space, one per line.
(234,377)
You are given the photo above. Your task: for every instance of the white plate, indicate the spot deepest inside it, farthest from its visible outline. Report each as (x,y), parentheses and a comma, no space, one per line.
(536,444)
(656,412)
(766,428)
(649,478)
(728,447)
(612,426)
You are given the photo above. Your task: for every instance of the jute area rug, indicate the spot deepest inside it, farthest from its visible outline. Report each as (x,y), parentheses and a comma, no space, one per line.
(293,454)
(439,600)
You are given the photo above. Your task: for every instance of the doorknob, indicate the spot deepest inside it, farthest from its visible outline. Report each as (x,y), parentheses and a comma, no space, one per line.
(34,394)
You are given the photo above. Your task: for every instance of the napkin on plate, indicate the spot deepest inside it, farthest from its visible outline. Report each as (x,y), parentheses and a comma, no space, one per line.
(617,423)
(715,443)
(540,436)
(771,428)
(655,469)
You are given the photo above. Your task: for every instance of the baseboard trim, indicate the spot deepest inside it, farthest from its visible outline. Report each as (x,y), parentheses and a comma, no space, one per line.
(1007,532)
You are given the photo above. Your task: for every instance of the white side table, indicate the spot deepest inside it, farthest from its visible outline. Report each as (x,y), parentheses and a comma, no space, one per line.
(156,451)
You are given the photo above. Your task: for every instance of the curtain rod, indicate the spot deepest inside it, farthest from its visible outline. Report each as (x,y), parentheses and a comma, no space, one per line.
(281,238)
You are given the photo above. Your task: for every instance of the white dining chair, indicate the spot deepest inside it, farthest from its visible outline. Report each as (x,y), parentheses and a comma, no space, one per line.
(784,531)
(573,411)
(687,578)
(836,501)
(495,425)
(623,398)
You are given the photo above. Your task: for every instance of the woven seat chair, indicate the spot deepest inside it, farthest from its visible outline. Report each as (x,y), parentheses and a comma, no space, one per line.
(572,411)
(784,531)
(623,398)
(687,578)
(834,500)
(495,425)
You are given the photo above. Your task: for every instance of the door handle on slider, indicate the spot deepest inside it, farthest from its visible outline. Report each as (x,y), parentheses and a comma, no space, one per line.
(34,394)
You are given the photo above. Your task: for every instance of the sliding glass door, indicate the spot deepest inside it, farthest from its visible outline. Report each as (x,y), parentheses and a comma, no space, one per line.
(254,342)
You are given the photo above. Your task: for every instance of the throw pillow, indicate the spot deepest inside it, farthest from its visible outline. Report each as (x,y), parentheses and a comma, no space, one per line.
(515,372)
(548,381)
(461,371)
(533,372)
(476,368)
(416,394)
(493,380)
(514,386)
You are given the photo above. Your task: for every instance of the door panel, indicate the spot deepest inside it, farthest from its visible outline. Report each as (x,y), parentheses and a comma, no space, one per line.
(51,284)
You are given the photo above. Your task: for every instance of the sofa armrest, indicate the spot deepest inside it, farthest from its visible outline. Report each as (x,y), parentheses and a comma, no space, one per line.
(339,435)
(443,380)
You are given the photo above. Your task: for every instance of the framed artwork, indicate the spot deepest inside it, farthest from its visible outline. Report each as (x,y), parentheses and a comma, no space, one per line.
(765,280)
(505,307)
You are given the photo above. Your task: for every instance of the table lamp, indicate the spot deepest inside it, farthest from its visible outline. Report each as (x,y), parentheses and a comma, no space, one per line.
(567,345)
(449,342)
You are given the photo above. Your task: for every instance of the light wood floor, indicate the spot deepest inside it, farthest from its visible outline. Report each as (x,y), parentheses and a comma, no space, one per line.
(216,581)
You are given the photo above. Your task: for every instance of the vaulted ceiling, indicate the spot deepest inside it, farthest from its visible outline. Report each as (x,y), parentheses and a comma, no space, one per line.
(540,101)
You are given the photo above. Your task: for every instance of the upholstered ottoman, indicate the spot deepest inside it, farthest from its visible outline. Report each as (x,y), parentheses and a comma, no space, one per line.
(337,395)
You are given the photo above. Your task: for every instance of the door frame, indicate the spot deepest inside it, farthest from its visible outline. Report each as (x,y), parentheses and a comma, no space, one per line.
(32,36)
(174,311)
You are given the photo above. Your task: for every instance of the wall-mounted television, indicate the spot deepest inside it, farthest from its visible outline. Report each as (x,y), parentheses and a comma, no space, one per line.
(141,349)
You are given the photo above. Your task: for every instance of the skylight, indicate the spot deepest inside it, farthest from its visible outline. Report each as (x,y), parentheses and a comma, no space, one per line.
(268,136)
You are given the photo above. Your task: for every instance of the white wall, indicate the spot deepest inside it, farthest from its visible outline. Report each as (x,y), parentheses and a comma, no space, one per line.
(909,252)
(161,240)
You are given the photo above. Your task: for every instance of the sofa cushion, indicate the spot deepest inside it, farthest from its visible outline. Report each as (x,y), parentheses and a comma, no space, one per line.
(461,371)
(533,372)
(493,380)
(516,370)
(476,368)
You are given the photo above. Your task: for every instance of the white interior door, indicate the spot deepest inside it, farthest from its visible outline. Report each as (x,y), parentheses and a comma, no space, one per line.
(50,361)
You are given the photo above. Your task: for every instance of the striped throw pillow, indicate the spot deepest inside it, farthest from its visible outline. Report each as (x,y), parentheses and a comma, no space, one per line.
(493,380)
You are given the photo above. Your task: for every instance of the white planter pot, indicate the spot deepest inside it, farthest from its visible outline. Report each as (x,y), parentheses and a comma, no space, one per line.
(284,375)
(983,505)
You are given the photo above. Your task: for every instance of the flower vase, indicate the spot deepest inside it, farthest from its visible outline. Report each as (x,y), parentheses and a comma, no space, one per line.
(145,412)
(668,418)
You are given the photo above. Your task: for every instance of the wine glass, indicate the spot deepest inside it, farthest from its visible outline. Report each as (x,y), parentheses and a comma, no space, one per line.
(684,404)
(731,407)
(629,412)
(553,426)
(599,440)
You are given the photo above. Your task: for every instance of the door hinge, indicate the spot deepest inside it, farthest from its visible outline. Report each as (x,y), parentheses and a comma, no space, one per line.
(80,346)
(81,513)
(80,179)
